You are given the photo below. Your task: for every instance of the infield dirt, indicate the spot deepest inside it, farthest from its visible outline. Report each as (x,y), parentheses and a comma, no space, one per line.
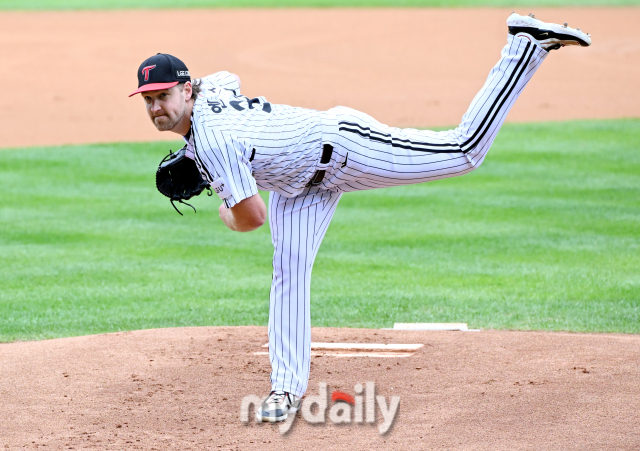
(67,75)
(182,389)
(66,78)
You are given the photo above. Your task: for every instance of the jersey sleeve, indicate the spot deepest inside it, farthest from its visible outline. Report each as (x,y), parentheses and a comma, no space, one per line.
(223,79)
(224,165)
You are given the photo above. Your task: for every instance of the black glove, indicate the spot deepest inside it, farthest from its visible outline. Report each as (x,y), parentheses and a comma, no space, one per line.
(179,179)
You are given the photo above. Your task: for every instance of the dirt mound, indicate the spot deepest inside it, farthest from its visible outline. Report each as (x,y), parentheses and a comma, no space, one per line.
(183,388)
(67,76)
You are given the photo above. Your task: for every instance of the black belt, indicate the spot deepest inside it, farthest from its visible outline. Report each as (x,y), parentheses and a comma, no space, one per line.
(327,151)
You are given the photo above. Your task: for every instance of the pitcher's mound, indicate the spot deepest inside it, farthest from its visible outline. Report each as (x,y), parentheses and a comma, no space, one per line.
(182,389)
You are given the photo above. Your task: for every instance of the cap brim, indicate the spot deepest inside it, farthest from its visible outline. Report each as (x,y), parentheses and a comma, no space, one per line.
(154,87)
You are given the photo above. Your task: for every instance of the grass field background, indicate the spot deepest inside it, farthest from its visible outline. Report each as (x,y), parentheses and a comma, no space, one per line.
(156,4)
(545,235)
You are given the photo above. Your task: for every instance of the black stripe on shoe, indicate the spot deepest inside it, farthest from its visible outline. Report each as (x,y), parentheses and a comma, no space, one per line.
(541,34)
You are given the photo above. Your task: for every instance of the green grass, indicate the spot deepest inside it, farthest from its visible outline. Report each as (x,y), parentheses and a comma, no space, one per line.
(159,4)
(545,235)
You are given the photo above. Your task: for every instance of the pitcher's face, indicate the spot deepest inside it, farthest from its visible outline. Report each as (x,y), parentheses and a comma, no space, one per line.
(166,107)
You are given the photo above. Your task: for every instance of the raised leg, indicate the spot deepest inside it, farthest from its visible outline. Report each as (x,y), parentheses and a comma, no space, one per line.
(380,156)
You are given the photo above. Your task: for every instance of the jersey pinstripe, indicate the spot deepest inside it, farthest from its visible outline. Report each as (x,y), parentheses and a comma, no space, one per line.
(247,144)
(242,144)
(367,155)
(380,156)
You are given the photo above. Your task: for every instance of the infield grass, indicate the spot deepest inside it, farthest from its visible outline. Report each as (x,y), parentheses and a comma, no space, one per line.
(545,235)
(165,4)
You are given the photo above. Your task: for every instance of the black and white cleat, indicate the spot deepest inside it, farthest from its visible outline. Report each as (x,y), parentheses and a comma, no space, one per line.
(549,36)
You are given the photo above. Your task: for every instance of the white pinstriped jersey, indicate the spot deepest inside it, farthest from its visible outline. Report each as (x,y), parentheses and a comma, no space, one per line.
(367,155)
(243,144)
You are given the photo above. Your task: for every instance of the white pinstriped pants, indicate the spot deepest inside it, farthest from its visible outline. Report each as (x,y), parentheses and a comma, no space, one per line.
(370,155)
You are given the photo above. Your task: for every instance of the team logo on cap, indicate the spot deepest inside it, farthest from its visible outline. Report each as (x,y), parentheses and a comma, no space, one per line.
(146,70)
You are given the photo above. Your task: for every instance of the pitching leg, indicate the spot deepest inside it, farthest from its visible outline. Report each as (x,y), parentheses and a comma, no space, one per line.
(298,226)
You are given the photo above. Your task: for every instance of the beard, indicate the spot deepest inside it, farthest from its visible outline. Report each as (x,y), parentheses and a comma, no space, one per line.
(167,121)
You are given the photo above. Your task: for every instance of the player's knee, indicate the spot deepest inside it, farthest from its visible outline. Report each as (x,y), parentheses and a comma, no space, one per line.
(474,162)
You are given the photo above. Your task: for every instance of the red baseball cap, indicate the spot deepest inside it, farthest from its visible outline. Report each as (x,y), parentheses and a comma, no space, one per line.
(161,71)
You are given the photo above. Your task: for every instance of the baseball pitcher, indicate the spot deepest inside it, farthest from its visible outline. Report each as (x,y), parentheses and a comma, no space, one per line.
(307,159)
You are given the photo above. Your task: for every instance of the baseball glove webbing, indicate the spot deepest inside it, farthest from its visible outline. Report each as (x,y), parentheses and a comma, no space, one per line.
(179,179)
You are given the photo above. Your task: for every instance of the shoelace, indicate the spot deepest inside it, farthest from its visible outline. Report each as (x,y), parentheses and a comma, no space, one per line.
(276,397)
